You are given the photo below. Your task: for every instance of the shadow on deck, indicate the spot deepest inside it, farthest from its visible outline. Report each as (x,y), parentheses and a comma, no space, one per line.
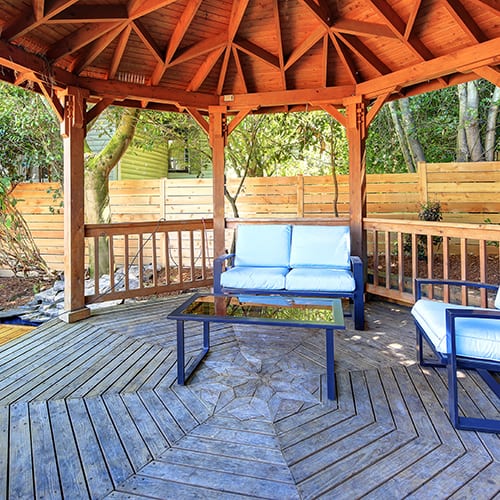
(92,410)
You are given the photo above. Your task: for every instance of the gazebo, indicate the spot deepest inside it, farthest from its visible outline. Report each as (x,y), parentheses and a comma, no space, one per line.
(221,60)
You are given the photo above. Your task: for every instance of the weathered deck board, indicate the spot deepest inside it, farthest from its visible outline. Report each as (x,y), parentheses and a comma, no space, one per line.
(92,410)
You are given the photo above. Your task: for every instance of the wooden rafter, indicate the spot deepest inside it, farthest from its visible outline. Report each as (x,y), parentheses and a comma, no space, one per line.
(279,41)
(362,28)
(200,48)
(96,48)
(38,9)
(97,14)
(254,50)
(464,20)
(204,69)
(489,73)
(80,38)
(28,21)
(364,53)
(411,20)
(344,57)
(119,51)
(306,45)
(320,10)
(147,40)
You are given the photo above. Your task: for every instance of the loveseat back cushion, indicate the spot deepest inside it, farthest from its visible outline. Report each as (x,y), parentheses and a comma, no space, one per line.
(263,245)
(497,299)
(262,278)
(320,280)
(475,337)
(320,246)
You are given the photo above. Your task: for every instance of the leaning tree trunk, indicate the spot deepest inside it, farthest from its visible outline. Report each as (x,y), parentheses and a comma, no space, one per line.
(97,170)
(403,144)
(491,126)
(416,149)
(462,149)
(472,123)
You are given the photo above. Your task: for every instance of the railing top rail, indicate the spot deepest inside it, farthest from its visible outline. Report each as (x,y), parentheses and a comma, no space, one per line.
(231,223)
(147,227)
(453,229)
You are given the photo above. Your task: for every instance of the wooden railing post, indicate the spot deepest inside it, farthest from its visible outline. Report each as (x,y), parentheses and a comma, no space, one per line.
(300,195)
(423,187)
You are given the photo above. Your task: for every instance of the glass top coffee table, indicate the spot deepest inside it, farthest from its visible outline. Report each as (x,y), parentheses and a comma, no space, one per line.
(287,311)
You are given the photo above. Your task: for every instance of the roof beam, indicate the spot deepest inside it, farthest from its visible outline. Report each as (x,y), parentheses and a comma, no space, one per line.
(306,44)
(362,28)
(86,14)
(85,35)
(464,20)
(411,20)
(28,20)
(279,42)
(95,50)
(38,9)
(119,51)
(364,53)
(489,73)
(147,40)
(139,8)
(321,11)
(254,50)
(344,57)
(464,60)
(204,70)
(180,29)
(200,48)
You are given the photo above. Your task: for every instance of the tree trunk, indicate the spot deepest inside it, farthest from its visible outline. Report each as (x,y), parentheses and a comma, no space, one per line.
(462,149)
(491,126)
(416,149)
(97,170)
(403,144)
(472,123)
(334,170)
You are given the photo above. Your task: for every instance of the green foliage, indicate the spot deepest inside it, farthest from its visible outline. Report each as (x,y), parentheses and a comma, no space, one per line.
(30,141)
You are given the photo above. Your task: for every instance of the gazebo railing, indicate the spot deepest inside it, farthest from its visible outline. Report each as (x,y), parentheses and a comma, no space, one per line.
(401,250)
(148,258)
(172,256)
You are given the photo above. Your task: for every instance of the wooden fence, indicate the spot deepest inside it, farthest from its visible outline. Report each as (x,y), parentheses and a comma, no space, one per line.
(468,192)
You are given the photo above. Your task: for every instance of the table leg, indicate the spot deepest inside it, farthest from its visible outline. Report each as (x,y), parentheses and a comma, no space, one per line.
(330,364)
(183,372)
(180,353)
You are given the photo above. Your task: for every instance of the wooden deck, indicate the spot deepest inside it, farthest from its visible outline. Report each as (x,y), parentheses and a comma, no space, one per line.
(92,410)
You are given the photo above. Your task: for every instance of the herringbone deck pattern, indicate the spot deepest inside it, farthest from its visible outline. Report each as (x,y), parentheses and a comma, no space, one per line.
(92,410)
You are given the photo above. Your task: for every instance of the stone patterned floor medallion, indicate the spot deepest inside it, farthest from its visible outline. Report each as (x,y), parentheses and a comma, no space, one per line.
(264,374)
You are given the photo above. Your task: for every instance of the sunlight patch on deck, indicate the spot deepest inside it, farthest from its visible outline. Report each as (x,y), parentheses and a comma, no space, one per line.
(11,332)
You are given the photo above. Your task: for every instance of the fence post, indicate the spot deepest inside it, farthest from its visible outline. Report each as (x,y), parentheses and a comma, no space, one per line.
(422,182)
(300,195)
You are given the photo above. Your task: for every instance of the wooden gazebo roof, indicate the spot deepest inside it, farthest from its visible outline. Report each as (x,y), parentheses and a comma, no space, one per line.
(263,55)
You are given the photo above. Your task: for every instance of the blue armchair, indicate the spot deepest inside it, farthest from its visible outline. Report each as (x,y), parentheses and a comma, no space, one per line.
(460,337)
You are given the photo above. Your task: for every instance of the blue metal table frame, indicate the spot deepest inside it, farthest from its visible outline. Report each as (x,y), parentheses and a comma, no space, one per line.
(183,313)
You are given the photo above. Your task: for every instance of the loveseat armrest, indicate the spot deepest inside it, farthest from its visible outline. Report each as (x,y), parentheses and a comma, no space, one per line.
(420,282)
(220,265)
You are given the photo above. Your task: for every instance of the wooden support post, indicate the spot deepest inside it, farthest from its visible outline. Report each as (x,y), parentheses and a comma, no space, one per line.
(73,132)
(356,135)
(218,138)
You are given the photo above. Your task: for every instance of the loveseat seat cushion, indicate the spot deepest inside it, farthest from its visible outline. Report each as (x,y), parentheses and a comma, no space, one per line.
(320,246)
(475,338)
(320,279)
(263,245)
(265,278)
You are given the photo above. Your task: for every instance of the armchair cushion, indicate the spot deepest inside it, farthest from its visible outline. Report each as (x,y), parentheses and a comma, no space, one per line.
(265,278)
(263,245)
(320,246)
(320,279)
(475,337)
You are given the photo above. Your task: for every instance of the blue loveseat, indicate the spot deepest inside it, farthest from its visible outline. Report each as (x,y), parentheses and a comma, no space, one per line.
(304,260)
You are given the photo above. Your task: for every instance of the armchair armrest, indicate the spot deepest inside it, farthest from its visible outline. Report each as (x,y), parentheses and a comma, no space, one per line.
(220,265)
(420,282)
